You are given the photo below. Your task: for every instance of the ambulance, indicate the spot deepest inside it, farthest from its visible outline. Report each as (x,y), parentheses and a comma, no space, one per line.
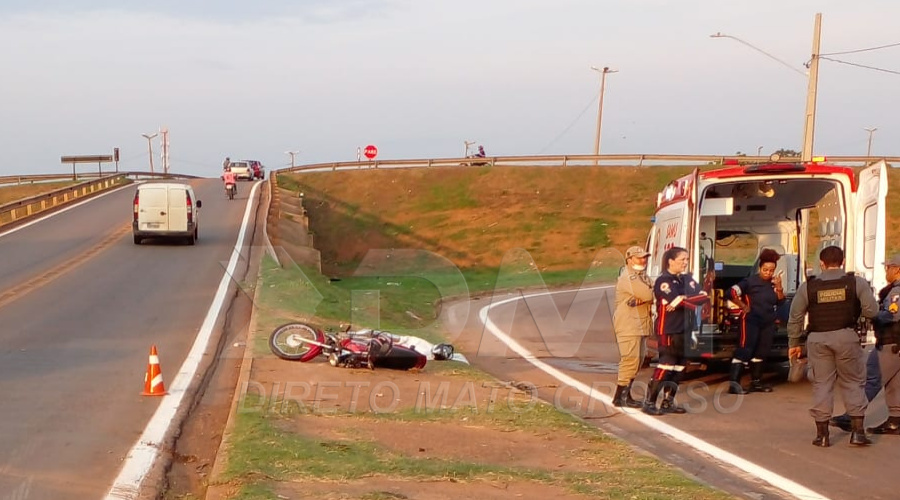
(724,217)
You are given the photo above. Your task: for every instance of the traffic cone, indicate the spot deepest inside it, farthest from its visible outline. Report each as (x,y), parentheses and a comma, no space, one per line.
(153,381)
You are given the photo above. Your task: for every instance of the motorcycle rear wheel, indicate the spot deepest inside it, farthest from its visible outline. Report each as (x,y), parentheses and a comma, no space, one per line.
(291,342)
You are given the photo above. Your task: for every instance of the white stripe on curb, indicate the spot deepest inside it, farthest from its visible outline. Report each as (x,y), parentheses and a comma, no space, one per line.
(141,457)
(776,480)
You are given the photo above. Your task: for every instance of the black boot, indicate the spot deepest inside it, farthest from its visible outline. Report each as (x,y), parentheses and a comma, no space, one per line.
(618,399)
(756,384)
(889,426)
(668,404)
(858,432)
(822,435)
(652,394)
(629,401)
(734,379)
(842,422)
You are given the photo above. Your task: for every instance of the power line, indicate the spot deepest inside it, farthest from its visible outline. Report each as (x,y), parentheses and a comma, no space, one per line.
(861,65)
(566,130)
(861,50)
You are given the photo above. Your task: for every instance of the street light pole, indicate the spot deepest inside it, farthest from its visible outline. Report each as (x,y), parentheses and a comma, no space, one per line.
(603,72)
(292,153)
(809,131)
(759,151)
(149,138)
(467,143)
(870,131)
(761,51)
(813,74)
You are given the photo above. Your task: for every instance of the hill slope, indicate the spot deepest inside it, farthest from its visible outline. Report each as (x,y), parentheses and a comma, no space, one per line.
(473,216)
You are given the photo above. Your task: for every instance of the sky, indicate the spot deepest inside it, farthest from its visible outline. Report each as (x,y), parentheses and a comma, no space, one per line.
(418,78)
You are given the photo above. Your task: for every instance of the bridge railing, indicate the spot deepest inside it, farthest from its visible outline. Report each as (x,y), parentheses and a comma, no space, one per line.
(573,161)
(20,210)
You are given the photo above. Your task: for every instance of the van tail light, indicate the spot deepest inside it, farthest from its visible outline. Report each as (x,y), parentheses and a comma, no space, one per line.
(136,198)
(190,206)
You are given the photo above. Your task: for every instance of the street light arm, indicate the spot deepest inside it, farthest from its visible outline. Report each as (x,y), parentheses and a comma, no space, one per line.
(761,51)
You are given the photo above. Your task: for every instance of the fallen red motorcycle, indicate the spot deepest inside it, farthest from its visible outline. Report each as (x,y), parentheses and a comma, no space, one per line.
(350,349)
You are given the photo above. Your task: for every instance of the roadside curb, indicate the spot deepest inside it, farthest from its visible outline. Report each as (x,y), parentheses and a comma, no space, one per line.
(218,489)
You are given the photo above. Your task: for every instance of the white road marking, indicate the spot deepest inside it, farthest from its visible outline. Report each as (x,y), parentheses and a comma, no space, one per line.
(141,457)
(776,480)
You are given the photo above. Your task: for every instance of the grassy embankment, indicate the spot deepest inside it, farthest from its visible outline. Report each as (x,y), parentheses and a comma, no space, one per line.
(12,193)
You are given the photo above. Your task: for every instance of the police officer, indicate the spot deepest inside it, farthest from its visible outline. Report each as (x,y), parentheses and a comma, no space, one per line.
(887,340)
(678,297)
(759,296)
(834,300)
(631,322)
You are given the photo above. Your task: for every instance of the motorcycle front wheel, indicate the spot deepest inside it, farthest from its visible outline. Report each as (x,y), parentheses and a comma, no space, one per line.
(292,342)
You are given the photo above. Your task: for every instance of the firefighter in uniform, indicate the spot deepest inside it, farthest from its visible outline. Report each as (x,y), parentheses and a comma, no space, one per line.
(678,298)
(759,296)
(631,322)
(887,340)
(834,300)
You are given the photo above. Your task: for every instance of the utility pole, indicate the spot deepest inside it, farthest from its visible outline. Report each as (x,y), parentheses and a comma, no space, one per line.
(870,131)
(164,138)
(149,138)
(603,72)
(809,129)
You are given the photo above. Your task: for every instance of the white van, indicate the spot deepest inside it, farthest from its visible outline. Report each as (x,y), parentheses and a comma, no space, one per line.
(725,217)
(165,210)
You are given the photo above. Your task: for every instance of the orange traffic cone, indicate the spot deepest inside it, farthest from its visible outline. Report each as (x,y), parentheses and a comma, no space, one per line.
(153,381)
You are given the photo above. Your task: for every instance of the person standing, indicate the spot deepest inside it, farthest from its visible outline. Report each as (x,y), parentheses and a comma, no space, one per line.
(887,345)
(631,322)
(758,296)
(678,297)
(834,300)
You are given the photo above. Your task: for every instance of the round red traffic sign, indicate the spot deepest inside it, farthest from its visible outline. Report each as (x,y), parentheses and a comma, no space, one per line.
(370,151)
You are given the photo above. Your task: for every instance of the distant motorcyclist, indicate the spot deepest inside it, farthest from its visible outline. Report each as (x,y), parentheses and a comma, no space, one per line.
(480,153)
(226,164)
(229,178)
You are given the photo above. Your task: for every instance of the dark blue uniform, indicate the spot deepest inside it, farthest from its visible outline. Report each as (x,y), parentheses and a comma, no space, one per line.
(758,326)
(671,326)
(683,295)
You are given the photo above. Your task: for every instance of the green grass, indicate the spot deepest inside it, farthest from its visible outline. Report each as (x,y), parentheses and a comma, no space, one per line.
(446,196)
(264,452)
(596,235)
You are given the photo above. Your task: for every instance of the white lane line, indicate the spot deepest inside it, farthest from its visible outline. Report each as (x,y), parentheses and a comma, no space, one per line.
(141,457)
(62,210)
(776,480)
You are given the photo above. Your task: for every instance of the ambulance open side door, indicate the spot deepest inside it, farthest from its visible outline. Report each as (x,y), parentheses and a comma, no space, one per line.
(869,234)
(675,220)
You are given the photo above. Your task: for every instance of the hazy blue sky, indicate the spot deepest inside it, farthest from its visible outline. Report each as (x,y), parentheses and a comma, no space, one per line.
(417,78)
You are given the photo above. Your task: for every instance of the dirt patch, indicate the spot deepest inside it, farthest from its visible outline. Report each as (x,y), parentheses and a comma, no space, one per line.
(440,433)
(378,488)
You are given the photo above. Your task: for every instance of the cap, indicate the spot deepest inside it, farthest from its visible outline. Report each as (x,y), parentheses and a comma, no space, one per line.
(894,260)
(636,251)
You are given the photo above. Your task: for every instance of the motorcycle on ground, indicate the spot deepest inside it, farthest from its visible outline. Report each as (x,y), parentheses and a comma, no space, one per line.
(363,348)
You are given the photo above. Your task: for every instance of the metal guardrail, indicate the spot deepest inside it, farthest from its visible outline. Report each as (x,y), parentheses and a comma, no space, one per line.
(29,179)
(20,210)
(575,160)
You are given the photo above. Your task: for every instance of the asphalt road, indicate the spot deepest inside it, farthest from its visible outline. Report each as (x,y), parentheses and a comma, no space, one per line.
(75,338)
(755,446)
